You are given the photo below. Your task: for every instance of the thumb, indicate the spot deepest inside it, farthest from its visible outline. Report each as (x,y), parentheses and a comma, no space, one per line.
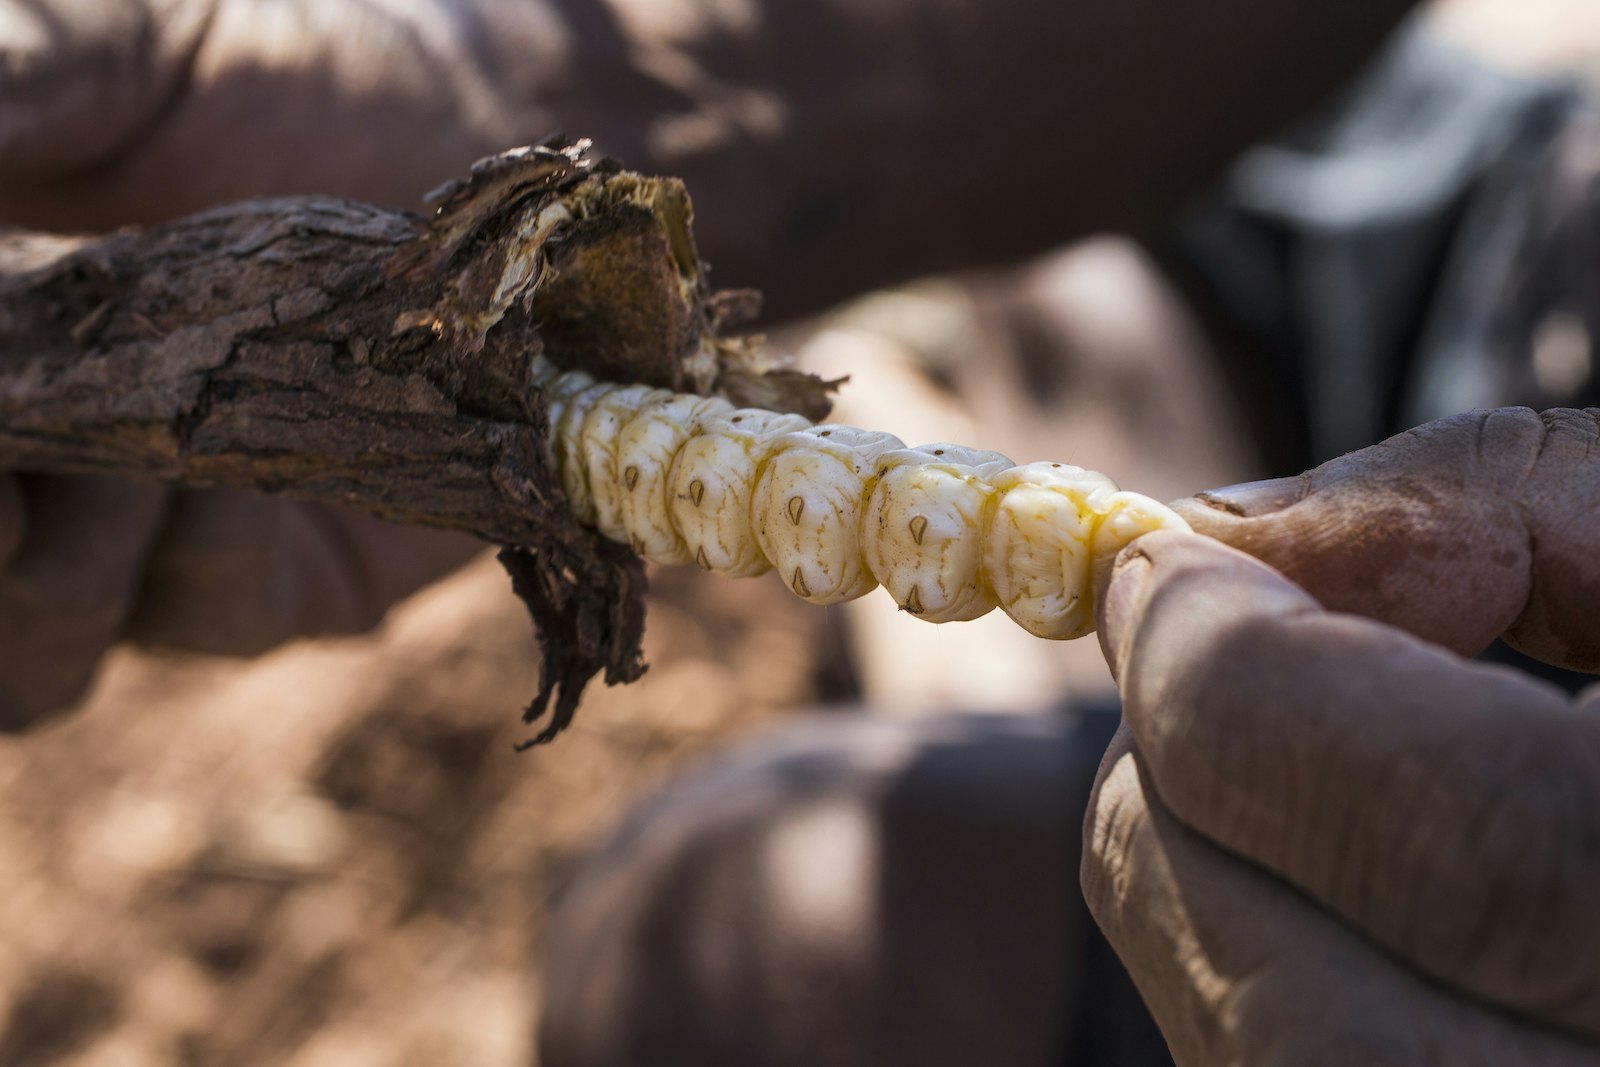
(1460,531)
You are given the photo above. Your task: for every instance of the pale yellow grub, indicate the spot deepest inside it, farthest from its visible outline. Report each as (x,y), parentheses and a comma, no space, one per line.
(645,449)
(949,531)
(571,455)
(710,484)
(1125,516)
(560,389)
(1036,551)
(558,393)
(921,529)
(807,504)
(600,435)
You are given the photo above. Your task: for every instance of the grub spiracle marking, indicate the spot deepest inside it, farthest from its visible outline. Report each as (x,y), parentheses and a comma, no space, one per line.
(951,532)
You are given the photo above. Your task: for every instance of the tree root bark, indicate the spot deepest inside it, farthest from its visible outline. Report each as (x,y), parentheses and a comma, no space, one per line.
(351,354)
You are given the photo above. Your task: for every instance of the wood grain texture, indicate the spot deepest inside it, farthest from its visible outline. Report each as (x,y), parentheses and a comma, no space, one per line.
(362,356)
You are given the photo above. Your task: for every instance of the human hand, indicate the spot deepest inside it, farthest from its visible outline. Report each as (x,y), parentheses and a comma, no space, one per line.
(1321,836)
(88,562)
(819,139)
(128,111)
(118,112)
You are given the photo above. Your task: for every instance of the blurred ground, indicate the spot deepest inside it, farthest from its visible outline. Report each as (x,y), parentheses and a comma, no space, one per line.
(331,855)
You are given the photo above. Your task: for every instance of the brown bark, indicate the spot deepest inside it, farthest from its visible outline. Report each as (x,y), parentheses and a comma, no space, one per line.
(351,354)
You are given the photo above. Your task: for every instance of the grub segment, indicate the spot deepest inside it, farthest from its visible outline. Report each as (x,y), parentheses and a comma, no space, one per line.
(950,532)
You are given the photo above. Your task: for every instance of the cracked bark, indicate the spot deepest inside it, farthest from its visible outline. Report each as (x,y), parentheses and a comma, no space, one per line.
(356,355)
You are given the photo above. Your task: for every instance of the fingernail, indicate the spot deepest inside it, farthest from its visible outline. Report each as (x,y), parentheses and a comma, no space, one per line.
(1249,499)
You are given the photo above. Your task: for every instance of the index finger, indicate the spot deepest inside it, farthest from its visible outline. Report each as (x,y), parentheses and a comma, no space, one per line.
(1449,810)
(1466,529)
(1236,967)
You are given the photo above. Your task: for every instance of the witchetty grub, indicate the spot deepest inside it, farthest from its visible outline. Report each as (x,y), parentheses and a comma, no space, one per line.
(951,532)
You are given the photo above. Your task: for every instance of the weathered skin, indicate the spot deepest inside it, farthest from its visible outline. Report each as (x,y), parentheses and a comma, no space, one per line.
(812,182)
(1439,819)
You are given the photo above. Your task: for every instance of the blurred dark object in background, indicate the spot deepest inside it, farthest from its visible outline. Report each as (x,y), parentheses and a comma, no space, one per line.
(1428,244)
(857,892)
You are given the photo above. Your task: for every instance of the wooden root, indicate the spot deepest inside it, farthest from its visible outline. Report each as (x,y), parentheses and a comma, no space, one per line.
(356,355)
